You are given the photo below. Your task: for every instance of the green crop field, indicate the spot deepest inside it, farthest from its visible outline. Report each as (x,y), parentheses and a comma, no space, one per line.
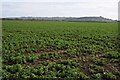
(58,49)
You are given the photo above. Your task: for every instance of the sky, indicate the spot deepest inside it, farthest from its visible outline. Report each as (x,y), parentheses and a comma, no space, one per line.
(60,8)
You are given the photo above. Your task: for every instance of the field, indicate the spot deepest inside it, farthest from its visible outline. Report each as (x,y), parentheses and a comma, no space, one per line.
(54,49)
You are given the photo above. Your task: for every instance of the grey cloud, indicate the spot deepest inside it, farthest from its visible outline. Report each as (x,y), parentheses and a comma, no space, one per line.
(83,8)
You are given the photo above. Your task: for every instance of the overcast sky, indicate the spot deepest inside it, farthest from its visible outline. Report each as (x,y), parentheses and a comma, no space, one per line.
(60,8)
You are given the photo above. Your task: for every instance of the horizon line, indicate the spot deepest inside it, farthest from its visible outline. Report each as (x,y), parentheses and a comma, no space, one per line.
(56,16)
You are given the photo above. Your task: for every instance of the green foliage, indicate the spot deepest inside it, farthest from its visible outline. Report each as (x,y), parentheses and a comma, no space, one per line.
(83,76)
(53,49)
(96,68)
(49,56)
(97,76)
(73,52)
(13,68)
(31,58)
(110,76)
(112,54)
(100,62)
